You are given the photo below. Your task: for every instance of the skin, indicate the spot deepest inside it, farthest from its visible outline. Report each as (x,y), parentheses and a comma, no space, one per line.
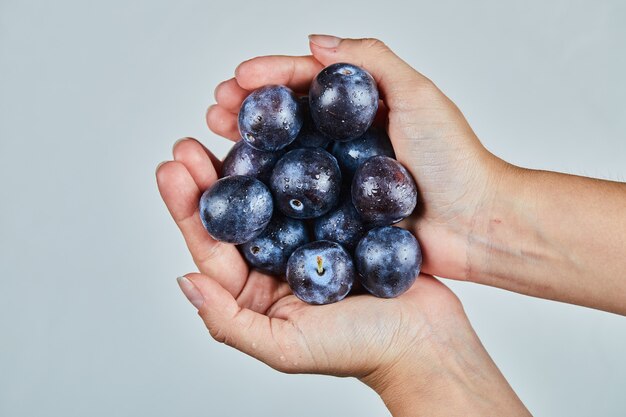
(236,209)
(540,233)
(270,250)
(383,192)
(308,137)
(270,118)
(342,225)
(321,272)
(353,153)
(344,101)
(308,177)
(388,260)
(245,160)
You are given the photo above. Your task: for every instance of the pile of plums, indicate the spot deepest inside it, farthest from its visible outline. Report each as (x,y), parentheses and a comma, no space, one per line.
(312,190)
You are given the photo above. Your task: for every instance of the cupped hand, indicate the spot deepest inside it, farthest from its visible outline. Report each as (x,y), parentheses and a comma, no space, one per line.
(360,336)
(420,341)
(256,313)
(457,177)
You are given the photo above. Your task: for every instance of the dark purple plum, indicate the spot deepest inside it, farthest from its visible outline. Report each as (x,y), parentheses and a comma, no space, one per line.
(344,101)
(353,153)
(270,251)
(342,225)
(270,118)
(320,272)
(306,183)
(236,209)
(243,159)
(383,191)
(388,260)
(309,136)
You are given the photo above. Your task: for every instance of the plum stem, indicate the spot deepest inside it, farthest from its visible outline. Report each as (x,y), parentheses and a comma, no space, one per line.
(320,267)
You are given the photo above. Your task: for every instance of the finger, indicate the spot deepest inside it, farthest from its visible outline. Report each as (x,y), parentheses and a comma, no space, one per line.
(392,74)
(217,164)
(382,115)
(181,194)
(296,72)
(252,333)
(222,122)
(199,161)
(229,95)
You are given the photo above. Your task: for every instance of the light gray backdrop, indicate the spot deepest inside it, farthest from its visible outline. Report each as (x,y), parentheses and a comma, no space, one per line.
(92,96)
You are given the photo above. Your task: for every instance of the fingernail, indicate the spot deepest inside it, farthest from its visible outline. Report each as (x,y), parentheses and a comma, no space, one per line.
(325,41)
(191,292)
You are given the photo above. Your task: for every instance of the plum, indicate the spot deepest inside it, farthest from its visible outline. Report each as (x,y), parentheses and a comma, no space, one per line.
(236,209)
(270,118)
(388,260)
(270,251)
(350,155)
(342,225)
(243,159)
(309,136)
(383,191)
(320,272)
(306,183)
(343,100)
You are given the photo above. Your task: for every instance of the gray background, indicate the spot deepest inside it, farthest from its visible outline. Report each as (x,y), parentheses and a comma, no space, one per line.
(92,96)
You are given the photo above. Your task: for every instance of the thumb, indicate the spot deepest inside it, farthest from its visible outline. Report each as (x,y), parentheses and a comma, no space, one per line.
(250,332)
(391,73)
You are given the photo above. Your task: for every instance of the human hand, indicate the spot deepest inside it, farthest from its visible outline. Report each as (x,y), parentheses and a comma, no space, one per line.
(257,314)
(412,349)
(396,323)
(482,219)
(457,177)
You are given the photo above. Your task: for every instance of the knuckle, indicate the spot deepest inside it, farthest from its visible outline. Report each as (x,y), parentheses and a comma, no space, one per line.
(218,334)
(219,91)
(420,85)
(183,145)
(244,69)
(248,68)
(374,44)
(211,252)
(285,368)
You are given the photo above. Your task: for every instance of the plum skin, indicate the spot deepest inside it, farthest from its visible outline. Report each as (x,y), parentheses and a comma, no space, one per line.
(306,183)
(388,260)
(332,284)
(309,136)
(350,155)
(342,225)
(270,251)
(383,191)
(236,209)
(343,100)
(243,159)
(270,118)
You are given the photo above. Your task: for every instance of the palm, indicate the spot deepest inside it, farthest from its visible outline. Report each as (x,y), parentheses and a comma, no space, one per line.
(429,134)
(257,312)
(434,141)
(333,338)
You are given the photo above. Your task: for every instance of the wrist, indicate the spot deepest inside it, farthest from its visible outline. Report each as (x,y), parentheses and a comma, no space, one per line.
(449,368)
(494,207)
(505,247)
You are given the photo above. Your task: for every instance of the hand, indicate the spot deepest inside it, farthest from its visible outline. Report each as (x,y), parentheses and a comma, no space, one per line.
(456,175)
(257,314)
(412,350)
(481,219)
